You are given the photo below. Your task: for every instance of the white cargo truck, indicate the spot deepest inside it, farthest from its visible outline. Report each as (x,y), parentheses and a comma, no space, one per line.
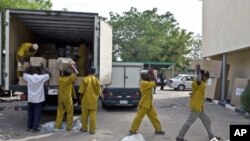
(124,89)
(54,27)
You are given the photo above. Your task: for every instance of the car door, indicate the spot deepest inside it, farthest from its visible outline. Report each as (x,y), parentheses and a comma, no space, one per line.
(188,82)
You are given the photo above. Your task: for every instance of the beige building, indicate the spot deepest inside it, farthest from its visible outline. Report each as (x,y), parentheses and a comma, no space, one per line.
(226,36)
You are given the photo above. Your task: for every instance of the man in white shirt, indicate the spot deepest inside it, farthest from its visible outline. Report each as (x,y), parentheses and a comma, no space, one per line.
(35,81)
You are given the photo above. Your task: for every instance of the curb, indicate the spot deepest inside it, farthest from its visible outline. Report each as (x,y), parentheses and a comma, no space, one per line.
(230,107)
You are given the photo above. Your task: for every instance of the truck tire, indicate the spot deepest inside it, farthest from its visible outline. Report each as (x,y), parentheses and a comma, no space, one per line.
(181,87)
(104,106)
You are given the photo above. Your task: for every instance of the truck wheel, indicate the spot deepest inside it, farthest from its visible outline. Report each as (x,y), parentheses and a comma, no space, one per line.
(104,106)
(181,88)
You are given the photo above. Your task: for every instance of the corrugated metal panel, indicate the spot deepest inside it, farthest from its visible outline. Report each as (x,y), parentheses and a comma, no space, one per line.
(58,25)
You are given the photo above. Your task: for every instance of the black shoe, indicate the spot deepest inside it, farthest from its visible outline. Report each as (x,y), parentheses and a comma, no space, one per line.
(92,132)
(178,139)
(34,131)
(83,130)
(159,132)
(131,133)
(28,129)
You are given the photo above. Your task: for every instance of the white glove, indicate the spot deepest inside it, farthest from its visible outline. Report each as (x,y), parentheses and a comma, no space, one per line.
(19,64)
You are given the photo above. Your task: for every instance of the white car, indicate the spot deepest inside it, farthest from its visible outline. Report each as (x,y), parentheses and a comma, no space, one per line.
(182,82)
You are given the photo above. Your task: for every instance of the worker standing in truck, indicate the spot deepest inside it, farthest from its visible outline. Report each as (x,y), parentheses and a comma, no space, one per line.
(81,57)
(65,98)
(90,91)
(24,52)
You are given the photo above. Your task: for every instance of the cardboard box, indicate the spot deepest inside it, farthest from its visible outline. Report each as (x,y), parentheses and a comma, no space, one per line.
(53,63)
(78,81)
(23,67)
(55,73)
(213,88)
(239,86)
(64,62)
(22,82)
(213,66)
(36,61)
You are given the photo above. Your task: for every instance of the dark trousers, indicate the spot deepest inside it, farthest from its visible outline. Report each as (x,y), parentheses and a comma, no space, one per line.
(34,115)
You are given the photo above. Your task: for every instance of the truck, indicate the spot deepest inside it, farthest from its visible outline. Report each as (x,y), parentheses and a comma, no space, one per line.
(124,89)
(60,28)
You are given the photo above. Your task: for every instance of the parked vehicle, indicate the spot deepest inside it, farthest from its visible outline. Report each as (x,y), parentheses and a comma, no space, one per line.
(55,27)
(124,89)
(181,82)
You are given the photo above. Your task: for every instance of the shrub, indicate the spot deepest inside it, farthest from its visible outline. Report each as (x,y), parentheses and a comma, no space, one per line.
(245,99)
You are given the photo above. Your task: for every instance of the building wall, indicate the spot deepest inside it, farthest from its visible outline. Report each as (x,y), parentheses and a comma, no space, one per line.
(226,26)
(239,67)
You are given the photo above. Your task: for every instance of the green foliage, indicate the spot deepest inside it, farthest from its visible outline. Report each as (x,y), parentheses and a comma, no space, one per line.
(245,99)
(148,36)
(26,4)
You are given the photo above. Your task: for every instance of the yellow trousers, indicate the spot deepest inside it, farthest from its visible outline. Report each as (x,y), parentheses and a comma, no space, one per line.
(65,106)
(151,113)
(91,114)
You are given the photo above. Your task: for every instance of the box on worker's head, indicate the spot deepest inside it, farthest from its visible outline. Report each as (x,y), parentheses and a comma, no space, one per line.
(239,86)
(64,63)
(213,66)
(36,61)
(213,88)
(55,74)
(53,63)
(78,81)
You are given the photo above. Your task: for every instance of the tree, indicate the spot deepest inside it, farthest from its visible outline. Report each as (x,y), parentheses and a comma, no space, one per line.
(196,48)
(26,4)
(148,36)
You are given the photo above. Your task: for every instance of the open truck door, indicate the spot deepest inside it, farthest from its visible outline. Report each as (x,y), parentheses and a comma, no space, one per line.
(1,49)
(105,50)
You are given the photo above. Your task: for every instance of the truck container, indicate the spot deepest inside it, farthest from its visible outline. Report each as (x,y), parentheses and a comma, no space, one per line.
(124,89)
(60,28)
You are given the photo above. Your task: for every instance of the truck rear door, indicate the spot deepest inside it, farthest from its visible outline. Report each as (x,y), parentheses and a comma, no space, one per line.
(105,53)
(132,76)
(1,48)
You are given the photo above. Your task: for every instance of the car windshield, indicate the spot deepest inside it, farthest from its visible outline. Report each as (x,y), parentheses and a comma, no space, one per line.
(178,76)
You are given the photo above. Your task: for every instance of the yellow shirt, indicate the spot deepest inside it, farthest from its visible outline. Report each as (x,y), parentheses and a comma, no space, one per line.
(65,87)
(24,50)
(146,88)
(197,97)
(90,89)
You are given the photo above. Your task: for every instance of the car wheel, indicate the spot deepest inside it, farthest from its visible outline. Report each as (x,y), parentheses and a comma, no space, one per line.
(181,87)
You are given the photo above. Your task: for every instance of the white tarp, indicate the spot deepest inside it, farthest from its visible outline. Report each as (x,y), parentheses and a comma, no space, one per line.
(50,126)
(135,137)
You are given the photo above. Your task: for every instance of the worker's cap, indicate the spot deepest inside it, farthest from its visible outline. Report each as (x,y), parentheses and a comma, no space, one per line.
(35,46)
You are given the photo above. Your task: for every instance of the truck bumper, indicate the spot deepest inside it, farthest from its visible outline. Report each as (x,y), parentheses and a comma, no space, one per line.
(120,102)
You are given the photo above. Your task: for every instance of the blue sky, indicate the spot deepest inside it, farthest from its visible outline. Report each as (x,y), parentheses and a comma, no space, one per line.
(187,12)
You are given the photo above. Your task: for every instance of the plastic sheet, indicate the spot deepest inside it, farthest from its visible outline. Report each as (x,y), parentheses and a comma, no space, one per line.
(50,126)
(135,137)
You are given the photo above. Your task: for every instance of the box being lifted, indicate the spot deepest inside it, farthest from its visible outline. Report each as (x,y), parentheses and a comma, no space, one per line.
(64,62)
(36,61)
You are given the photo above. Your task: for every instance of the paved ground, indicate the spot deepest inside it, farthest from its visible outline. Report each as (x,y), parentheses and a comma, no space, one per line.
(113,125)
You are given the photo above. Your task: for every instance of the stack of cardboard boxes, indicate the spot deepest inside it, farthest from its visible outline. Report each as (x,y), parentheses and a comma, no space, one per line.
(213,87)
(239,86)
(54,71)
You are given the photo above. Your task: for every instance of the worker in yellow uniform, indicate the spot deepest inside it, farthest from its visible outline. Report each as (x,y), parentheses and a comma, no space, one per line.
(65,99)
(146,105)
(90,91)
(81,58)
(197,106)
(24,52)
